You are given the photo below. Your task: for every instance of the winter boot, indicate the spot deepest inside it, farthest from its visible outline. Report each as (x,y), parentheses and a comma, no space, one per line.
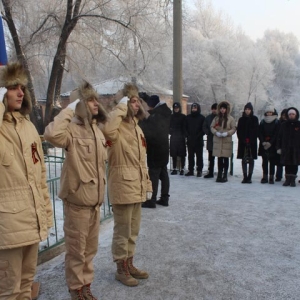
(245,178)
(181,172)
(123,274)
(219,177)
(86,291)
(264,179)
(164,201)
(134,272)
(76,294)
(174,172)
(189,173)
(288,179)
(224,177)
(293,180)
(209,175)
(149,204)
(244,168)
(271,179)
(199,173)
(249,177)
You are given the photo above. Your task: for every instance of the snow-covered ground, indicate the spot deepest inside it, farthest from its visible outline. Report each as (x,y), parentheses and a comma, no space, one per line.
(216,241)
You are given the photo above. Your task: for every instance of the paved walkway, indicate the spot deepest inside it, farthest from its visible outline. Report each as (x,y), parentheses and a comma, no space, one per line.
(215,241)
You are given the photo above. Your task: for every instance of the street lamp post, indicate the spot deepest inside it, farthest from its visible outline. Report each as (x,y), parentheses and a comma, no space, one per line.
(177,51)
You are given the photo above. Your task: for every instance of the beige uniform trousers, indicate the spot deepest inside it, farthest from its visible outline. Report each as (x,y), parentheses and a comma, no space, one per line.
(81,227)
(127,220)
(17,270)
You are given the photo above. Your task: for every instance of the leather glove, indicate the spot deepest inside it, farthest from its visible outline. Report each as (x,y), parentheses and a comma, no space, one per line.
(218,134)
(279,151)
(124,100)
(224,134)
(3,91)
(267,145)
(148,195)
(73,104)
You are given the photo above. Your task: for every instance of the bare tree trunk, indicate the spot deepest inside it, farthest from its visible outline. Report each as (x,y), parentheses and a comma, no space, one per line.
(60,57)
(35,115)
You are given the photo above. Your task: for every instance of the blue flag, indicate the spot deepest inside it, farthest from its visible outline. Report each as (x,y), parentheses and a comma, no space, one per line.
(3,56)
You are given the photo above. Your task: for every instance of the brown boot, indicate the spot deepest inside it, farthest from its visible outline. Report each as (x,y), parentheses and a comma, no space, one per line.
(76,294)
(86,291)
(134,272)
(123,274)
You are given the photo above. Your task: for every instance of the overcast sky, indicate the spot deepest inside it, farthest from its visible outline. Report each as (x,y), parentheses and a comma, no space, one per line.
(256,16)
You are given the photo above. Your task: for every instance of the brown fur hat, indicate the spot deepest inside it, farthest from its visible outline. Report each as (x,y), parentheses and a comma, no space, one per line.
(13,74)
(130,90)
(86,92)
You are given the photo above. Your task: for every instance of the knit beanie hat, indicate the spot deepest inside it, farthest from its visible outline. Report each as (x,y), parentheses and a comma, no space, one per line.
(269,108)
(249,106)
(153,101)
(214,106)
(176,105)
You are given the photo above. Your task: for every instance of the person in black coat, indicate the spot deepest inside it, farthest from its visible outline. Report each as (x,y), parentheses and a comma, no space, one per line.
(279,167)
(268,132)
(194,131)
(156,129)
(288,144)
(177,139)
(209,140)
(247,133)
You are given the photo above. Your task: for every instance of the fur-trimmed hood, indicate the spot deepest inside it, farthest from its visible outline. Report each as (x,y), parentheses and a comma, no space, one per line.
(84,93)
(14,74)
(223,103)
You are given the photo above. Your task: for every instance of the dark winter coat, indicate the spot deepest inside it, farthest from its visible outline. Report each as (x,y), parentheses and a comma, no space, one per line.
(207,131)
(194,128)
(268,132)
(177,132)
(156,130)
(289,141)
(247,133)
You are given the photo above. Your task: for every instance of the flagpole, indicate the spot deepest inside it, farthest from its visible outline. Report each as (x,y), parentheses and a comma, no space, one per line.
(3,55)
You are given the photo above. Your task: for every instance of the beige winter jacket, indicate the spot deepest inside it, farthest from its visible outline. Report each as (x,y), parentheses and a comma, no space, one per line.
(222,146)
(25,207)
(83,172)
(128,179)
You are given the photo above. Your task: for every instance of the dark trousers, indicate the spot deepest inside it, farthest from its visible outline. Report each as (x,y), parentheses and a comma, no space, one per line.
(211,161)
(156,174)
(192,150)
(279,171)
(174,159)
(268,165)
(223,164)
(251,166)
(291,170)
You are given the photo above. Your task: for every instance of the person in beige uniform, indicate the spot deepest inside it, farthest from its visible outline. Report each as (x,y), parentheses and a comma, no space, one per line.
(77,130)
(128,180)
(25,207)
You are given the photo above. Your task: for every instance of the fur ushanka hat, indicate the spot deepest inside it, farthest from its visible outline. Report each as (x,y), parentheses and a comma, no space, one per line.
(84,93)
(14,74)
(130,90)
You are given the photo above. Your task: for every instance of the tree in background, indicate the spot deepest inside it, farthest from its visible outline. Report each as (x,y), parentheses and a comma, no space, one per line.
(48,28)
